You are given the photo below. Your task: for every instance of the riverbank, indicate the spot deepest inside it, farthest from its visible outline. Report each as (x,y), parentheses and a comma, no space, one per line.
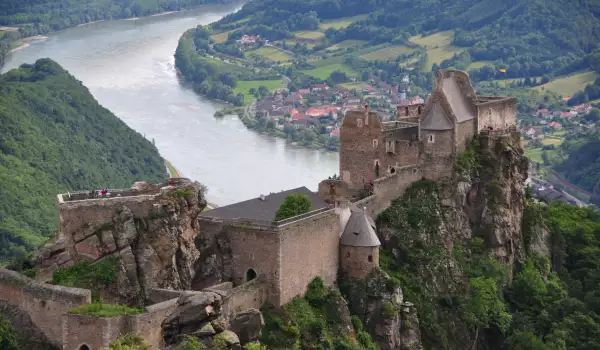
(25,42)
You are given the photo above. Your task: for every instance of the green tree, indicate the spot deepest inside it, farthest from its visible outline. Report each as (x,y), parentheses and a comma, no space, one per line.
(293,204)
(8,338)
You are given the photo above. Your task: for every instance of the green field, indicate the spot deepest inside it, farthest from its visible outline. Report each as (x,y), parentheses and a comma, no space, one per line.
(226,67)
(388,53)
(534,154)
(221,37)
(570,84)
(439,46)
(323,72)
(272,53)
(292,43)
(340,22)
(480,64)
(351,86)
(439,39)
(309,35)
(244,87)
(551,141)
(346,44)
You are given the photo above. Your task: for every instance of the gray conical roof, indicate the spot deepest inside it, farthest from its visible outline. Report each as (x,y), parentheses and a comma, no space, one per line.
(360,230)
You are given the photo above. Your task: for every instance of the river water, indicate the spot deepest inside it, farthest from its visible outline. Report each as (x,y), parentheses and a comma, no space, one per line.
(129,68)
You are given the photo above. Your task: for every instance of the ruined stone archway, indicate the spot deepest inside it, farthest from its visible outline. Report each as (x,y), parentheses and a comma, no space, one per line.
(249,275)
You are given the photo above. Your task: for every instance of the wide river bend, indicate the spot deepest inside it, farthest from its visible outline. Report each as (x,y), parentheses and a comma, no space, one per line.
(128,65)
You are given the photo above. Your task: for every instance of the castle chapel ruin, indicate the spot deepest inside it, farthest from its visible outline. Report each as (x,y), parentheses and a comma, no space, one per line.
(193,268)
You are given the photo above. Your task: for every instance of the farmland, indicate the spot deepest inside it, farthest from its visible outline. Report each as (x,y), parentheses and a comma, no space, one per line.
(346,44)
(388,53)
(323,72)
(340,22)
(309,35)
(272,53)
(568,85)
(245,86)
(439,46)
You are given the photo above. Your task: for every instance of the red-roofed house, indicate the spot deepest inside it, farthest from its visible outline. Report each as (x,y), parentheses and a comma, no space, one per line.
(321,112)
(566,98)
(368,89)
(320,87)
(304,92)
(582,108)
(335,132)
(555,125)
(567,114)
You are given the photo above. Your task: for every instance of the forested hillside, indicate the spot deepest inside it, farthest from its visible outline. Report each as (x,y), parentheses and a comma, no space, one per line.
(54,137)
(533,37)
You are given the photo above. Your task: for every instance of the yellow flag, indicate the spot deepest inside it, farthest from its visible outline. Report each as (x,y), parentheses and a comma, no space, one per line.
(502,70)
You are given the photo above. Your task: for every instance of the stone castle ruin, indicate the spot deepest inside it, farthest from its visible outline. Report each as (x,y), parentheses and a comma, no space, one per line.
(197,268)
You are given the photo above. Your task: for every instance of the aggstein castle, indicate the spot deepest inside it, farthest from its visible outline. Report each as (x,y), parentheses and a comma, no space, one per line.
(168,247)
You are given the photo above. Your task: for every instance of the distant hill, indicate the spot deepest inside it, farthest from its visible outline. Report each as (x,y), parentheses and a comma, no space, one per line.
(54,137)
(531,37)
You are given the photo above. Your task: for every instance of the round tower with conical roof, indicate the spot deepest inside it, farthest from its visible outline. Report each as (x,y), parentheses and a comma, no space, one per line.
(359,245)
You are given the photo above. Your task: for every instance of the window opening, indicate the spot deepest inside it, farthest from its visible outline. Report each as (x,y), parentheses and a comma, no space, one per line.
(249,275)
(370,258)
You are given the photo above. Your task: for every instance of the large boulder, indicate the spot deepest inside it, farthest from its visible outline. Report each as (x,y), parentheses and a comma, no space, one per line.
(248,325)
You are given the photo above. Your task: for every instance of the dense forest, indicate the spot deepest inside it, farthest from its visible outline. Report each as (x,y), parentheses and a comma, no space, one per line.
(55,137)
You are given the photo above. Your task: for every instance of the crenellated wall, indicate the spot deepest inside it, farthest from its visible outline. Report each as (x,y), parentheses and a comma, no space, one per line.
(44,303)
(497,113)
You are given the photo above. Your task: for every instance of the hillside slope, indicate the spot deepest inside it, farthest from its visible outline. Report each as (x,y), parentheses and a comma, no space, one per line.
(532,37)
(54,136)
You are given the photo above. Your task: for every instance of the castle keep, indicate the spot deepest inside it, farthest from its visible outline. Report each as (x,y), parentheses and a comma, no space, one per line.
(167,244)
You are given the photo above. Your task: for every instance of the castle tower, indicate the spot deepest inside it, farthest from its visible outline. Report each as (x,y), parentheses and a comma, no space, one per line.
(359,245)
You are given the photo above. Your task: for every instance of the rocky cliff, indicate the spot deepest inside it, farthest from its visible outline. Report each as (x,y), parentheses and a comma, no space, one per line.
(148,236)
(438,241)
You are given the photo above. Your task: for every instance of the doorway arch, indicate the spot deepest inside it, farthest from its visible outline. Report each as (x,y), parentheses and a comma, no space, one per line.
(83,347)
(249,275)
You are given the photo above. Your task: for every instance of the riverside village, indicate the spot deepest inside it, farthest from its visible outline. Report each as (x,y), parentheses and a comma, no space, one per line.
(180,269)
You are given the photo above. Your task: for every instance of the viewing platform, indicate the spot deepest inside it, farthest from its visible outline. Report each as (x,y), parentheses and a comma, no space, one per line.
(138,189)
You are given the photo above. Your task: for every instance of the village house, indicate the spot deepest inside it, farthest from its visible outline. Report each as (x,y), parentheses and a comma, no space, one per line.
(248,39)
(555,125)
(320,87)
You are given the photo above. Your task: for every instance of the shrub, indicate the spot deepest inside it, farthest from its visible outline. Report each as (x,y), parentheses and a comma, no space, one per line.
(316,293)
(8,338)
(183,193)
(100,309)
(85,275)
(190,343)
(129,342)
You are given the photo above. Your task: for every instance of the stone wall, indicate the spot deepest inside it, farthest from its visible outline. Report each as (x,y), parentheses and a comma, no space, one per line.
(256,249)
(358,262)
(464,134)
(390,187)
(44,303)
(309,249)
(250,295)
(497,113)
(410,112)
(99,332)
(437,156)
(358,150)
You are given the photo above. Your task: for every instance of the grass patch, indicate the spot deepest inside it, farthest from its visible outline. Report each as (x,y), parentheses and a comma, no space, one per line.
(272,54)
(244,87)
(324,71)
(341,22)
(534,154)
(100,309)
(225,67)
(346,44)
(439,46)
(172,171)
(480,64)
(434,40)
(220,38)
(291,43)
(351,86)
(551,141)
(570,84)
(388,53)
(89,276)
(310,35)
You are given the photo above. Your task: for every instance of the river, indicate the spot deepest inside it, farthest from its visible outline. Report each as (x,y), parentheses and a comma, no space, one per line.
(129,68)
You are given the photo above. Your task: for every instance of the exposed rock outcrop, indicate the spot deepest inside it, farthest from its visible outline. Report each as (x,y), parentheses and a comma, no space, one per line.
(150,229)
(200,315)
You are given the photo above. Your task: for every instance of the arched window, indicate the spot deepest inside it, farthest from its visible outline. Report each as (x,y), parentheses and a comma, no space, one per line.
(84,347)
(249,275)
